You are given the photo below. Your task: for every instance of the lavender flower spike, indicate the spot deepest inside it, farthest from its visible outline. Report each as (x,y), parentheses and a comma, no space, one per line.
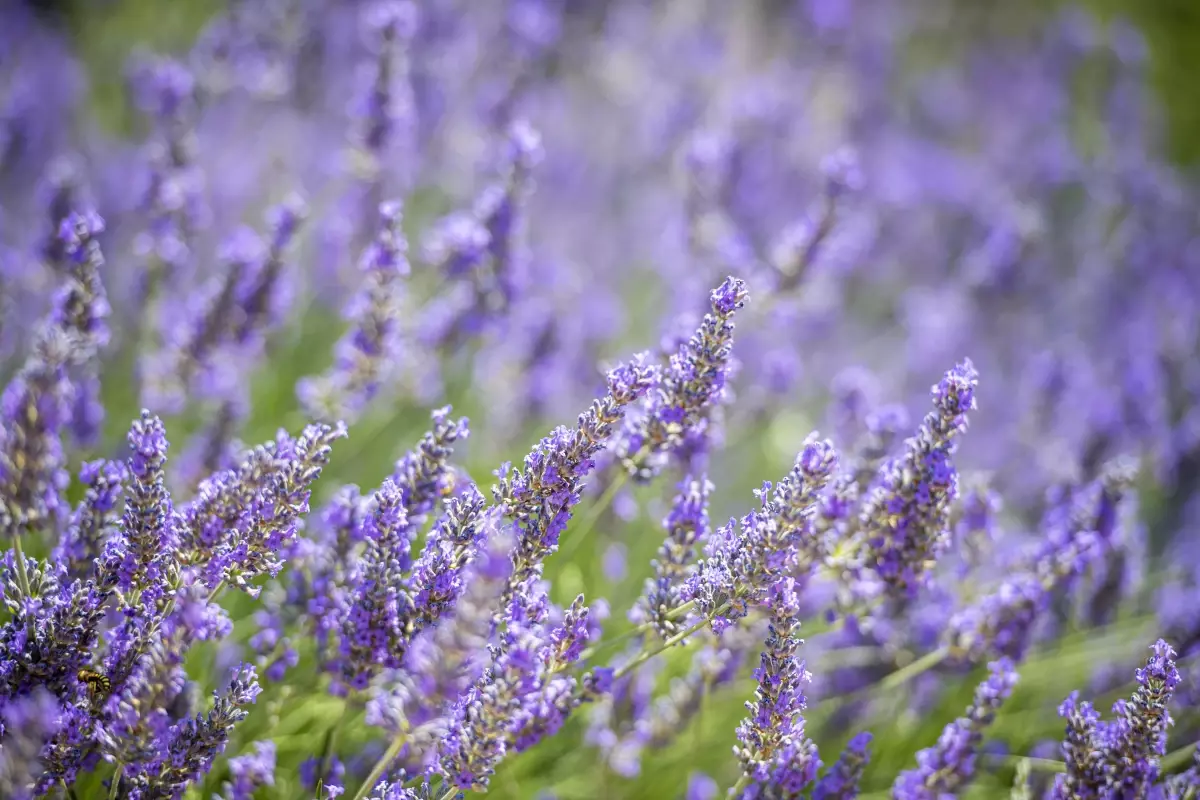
(905,518)
(369,354)
(676,413)
(777,757)
(147,541)
(686,525)
(944,769)
(444,661)
(1141,731)
(744,561)
(842,780)
(539,497)
(191,745)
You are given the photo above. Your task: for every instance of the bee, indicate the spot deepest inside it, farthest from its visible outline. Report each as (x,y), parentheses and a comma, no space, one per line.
(98,685)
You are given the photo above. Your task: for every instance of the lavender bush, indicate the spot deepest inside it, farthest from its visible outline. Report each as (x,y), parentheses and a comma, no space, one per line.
(268,362)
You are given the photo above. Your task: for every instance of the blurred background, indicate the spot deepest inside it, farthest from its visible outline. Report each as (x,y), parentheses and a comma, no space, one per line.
(903,183)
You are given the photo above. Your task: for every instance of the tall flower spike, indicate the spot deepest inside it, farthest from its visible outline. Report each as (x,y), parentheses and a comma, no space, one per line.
(539,497)
(368,355)
(744,561)
(903,525)
(94,519)
(1001,624)
(192,744)
(1140,737)
(1084,778)
(263,527)
(676,413)
(147,541)
(386,101)
(687,525)
(948,766)
(842,780)
(374,635)
(36,404)
(777,757)
(26,723)
(444,661)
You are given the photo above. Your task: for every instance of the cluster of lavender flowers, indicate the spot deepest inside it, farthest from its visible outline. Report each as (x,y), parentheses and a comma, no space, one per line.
(572,178)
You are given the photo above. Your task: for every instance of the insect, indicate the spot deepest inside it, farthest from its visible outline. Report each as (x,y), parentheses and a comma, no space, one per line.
(96,683)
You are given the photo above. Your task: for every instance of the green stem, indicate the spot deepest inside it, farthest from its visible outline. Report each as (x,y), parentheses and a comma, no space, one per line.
(594,515)
(646,655)
(380,767)
(116,782)
(921,665)
(449,794)
(1177,758)
(216,591)
(22,574)
(1037,764)
(738,787)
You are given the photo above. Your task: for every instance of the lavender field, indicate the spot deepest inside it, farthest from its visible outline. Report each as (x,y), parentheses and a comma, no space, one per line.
(425,399)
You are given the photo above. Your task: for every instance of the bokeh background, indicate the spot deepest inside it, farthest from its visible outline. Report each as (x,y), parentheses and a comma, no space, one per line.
(1027,201)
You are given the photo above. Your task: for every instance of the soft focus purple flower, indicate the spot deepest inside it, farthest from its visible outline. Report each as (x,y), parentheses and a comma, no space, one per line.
(841,782)
(700,787)
(949,765)
(676,413)
(904,519)
(775,753)
(370,353)
(687,526)
(251,771)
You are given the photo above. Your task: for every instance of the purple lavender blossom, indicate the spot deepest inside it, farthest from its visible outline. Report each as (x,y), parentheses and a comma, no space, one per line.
(743,561)
(949,765)
(373,630)
(676,413)
(700,787)
(775,753)
(191,745)
(241,519)
(94,519)
(251,771)
(539,497)
(687,525)
(841,782)
(36,404)
(147,543)
(442,662)
(904,519)
(368,356)
(25,725)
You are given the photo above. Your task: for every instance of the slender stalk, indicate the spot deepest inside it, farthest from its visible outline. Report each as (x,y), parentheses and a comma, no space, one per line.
(646,655)
(215,591)
(740,786)
(449,794)
(380,767)
(1177,758)
(1035,764)
(116,782)
(22,574)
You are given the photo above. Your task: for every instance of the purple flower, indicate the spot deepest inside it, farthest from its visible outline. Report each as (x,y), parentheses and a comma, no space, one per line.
(842,780)
(676,413)
(775,753)
(744,561)
(539,496)
(904,519)
(687,525)
(251,771)
(368,356)
(948,766)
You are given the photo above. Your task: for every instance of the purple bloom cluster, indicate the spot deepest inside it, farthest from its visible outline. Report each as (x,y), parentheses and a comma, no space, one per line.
(949,765)
(579,177)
